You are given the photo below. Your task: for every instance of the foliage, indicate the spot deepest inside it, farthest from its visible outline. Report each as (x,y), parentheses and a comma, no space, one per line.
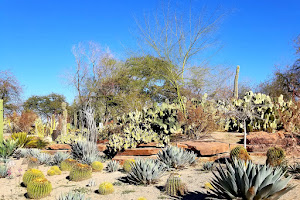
(32,174)
(39,188)
(71,137)
(23,139)
(4,171)
(44,158)
(80,172)
(295,170)
(59,157)
(275,156)
(97,166)
(128,164)
(146,171)
(249,181)
(85,151)
(22,122)
(207,166)
(106,188)
(67,165)
(112,166)
(7,148)
(37,143)
(73,196)
(174,185)
(175,157)
(239,152)
(290,118)
(46,105)
(10,91)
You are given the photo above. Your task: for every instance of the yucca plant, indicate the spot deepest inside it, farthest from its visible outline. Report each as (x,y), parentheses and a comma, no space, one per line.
(112,166)
(146,171)
(249,181)
(175,157)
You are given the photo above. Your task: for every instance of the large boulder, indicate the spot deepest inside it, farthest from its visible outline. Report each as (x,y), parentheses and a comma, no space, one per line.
(264,138)
(205,148)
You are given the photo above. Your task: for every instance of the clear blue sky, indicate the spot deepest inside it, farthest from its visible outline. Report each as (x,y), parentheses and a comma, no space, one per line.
(36,36)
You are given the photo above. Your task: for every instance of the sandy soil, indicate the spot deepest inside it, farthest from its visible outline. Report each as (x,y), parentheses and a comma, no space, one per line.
(194,177)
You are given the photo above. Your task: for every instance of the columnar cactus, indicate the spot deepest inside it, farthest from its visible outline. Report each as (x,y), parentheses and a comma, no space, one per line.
(236,79)
(64,118)
(1,120)
(31,174)
(39,188)
(175,186)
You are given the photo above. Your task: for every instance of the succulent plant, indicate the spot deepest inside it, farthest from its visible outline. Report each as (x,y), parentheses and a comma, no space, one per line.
(73,196)
(32,162)
(175,186)
(175,157)
(146,171)
(295,170)
(3,171)
(239,152)
(128,164)
(141,198)
(39,188)
(85,151)
(33,152)
(59,157)
(207,166)
(51,172)
(112,166)
(7,148)
(275,156)
(91,183)
(67,164)
(249,181)
(97,166)
(106,188)
(56,170)
(44,158)
(80,172)
(31,174)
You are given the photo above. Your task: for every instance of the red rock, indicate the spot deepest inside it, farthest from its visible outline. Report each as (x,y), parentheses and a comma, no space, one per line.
(58,147)
(180,145)
(101,147)
(122,159)
(207,148)
(139,152)
(278,138)
(102,141)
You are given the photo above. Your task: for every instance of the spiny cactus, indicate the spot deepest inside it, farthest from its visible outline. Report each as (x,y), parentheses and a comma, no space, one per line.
(106,188)
(175,186)
(51,172)
(127,165)
(141,198)
(80,172)
(112,166)
(39,188)
(239,152)
(97,166)
(32,163)
(275,156)
(31,174)
(67,164)
(56,170)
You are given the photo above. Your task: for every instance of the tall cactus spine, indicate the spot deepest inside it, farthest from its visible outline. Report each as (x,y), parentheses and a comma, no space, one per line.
(236,79)
(1,120)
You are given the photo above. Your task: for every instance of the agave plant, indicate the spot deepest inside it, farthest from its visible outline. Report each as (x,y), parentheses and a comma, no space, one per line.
(59,157)
(207,166)
(112,166)
(146,171)
(44,158)
(85,151)
(295,169)
(33,152)
(73,196)
(250,181)
(175,157)
(7,148)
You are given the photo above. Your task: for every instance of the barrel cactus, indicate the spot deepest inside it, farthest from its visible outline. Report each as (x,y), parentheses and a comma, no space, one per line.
(141,198)
(275,156)
(31,174)
(239,152)
(67,164)
(175,186)
(56,170)
(80,172)
(97,166)
(51,172)
(39,188)
(106,188)
(127,165)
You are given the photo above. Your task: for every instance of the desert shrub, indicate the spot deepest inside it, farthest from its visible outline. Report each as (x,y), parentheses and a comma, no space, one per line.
(249,181)
(207,166)
(37,143)
(275,156)
(24,121)
(175,157)
(290,118)
(4,171)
